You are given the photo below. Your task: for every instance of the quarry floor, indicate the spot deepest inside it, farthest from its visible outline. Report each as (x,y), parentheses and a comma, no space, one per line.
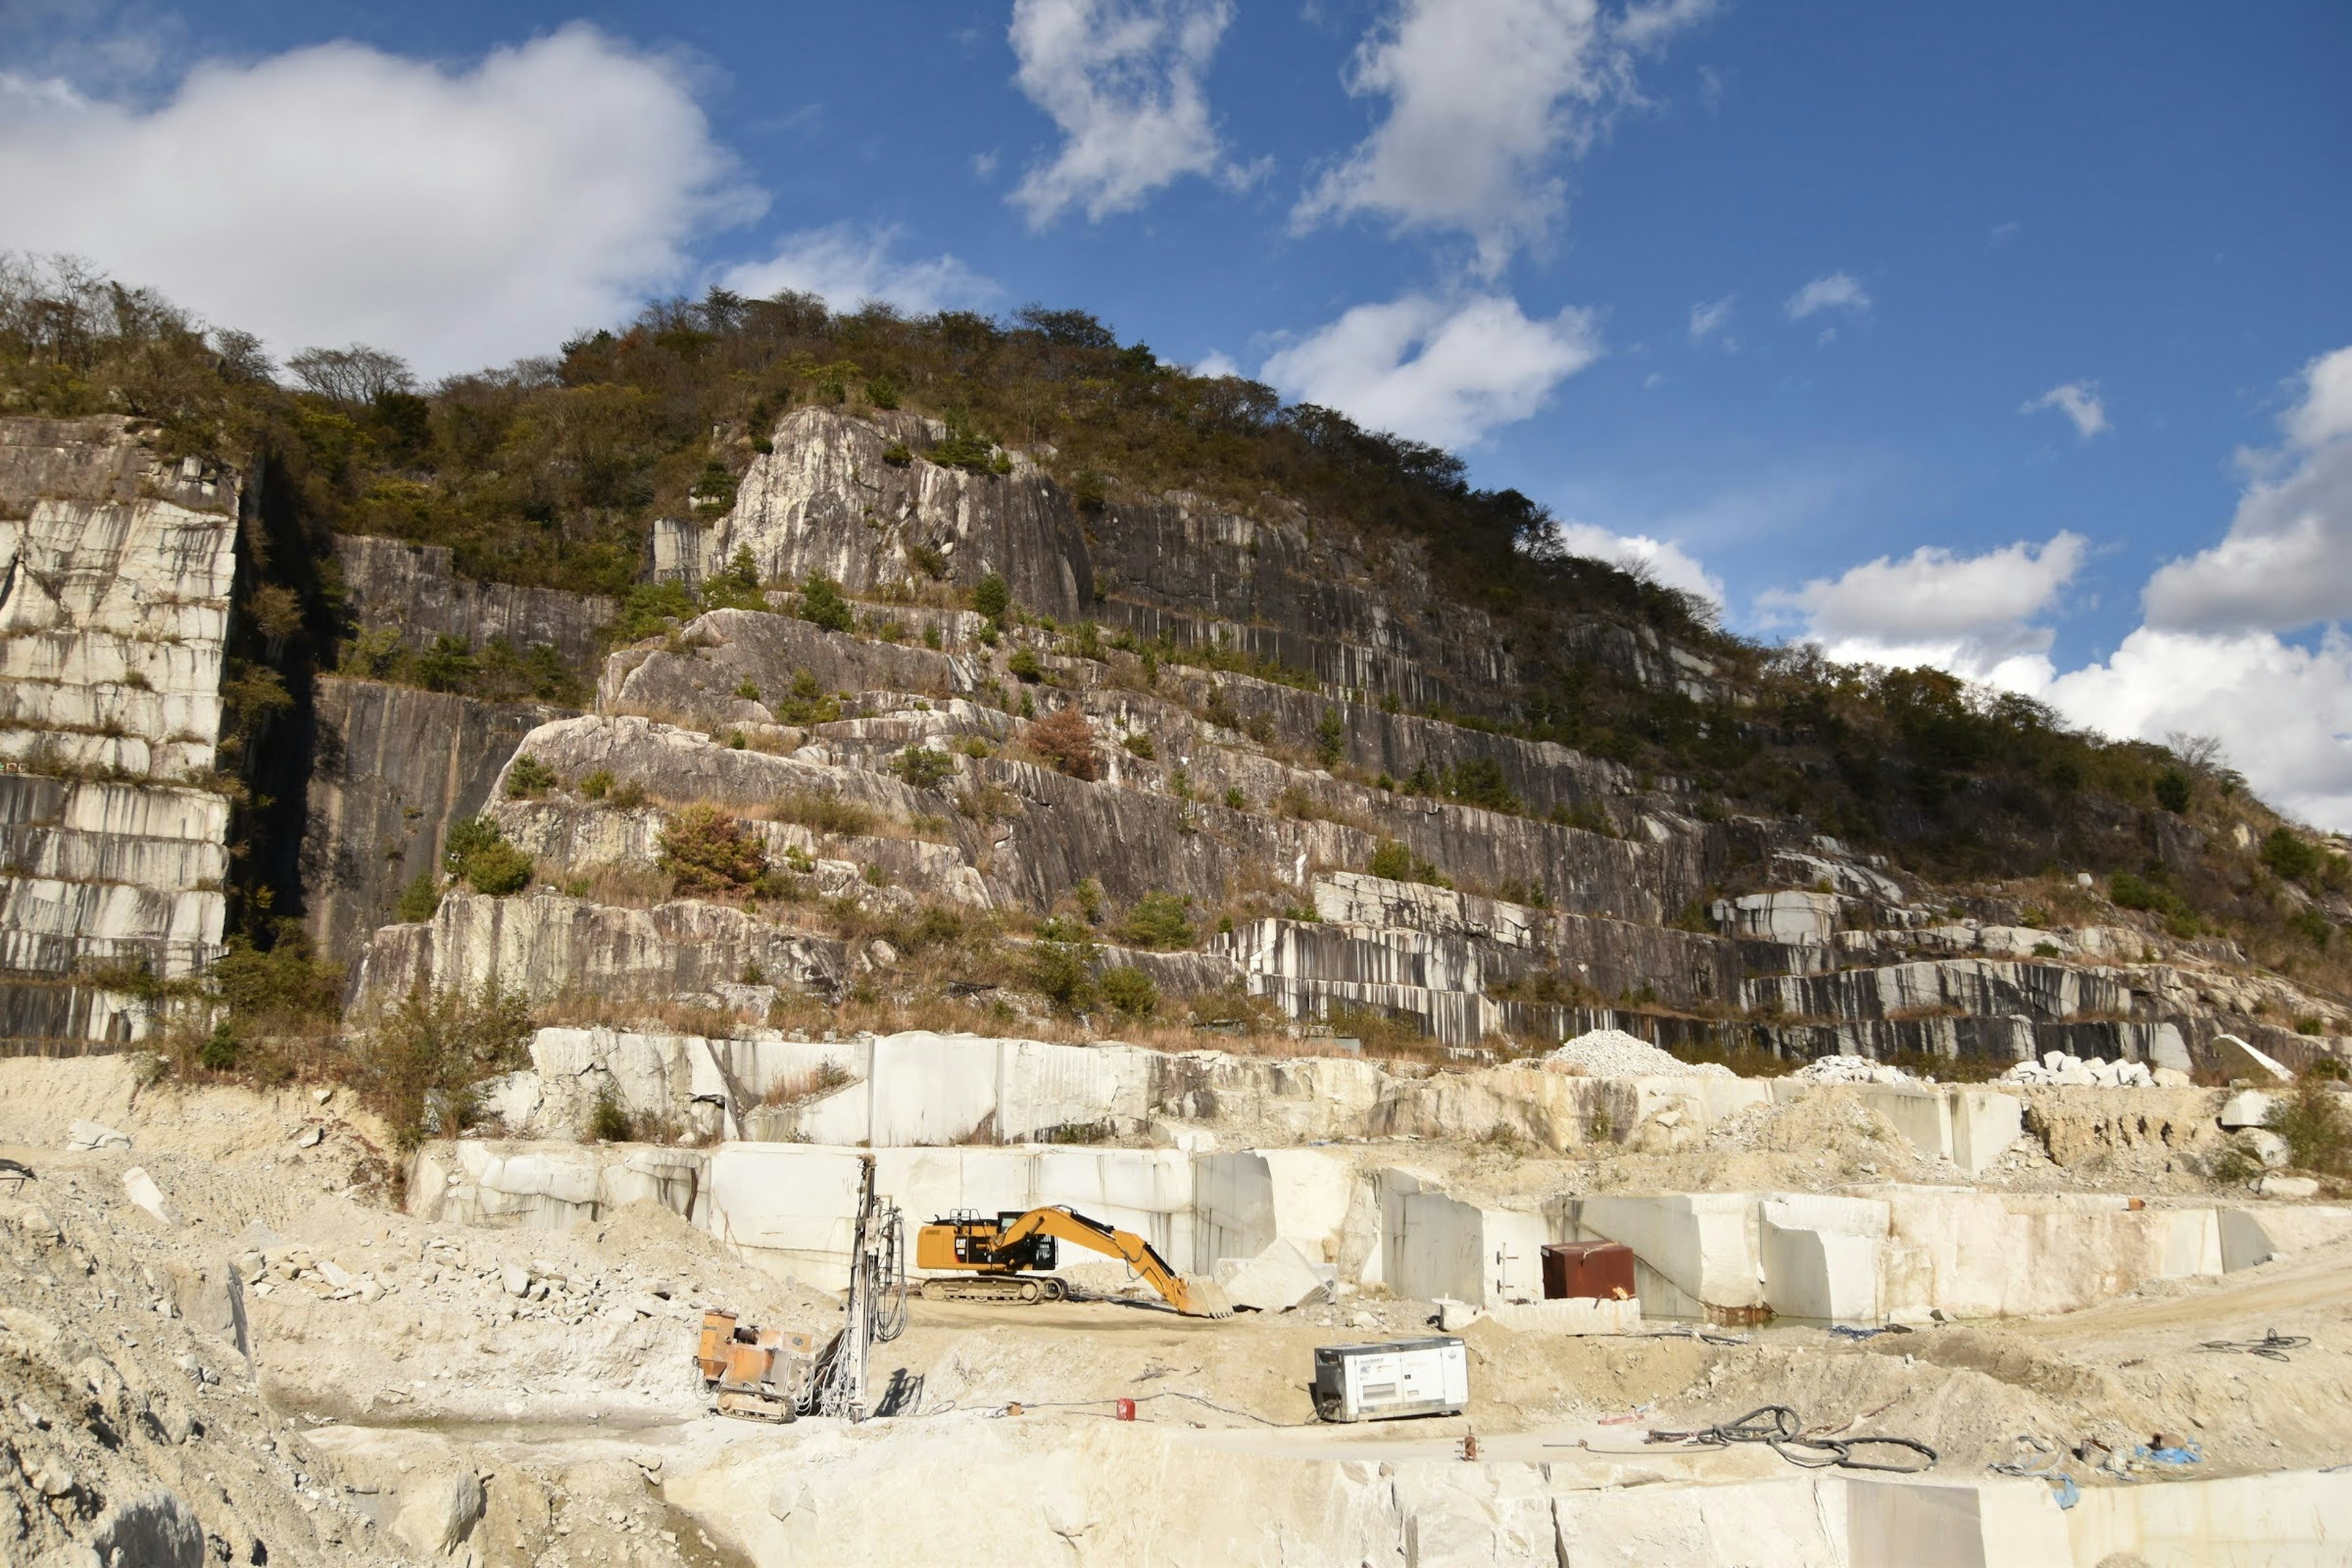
(352,1434)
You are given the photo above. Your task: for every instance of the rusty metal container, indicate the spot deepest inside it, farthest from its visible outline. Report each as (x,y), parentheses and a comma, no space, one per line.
(1598,1270)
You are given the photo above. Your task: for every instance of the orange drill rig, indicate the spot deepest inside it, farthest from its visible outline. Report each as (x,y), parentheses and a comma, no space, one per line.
(1004,1258)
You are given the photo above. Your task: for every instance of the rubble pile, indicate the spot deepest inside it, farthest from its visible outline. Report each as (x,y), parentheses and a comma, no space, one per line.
(2056,1067)
(1613,1053)
(1851,1069)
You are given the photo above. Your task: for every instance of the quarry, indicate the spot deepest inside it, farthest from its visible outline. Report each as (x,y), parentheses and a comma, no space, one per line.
(930,835)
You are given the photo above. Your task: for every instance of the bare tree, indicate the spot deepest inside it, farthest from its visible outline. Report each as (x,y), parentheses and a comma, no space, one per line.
(2200,755)
(353,377)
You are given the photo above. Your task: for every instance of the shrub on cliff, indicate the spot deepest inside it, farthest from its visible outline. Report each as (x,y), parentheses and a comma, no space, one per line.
(1130,992)
(1062,964)
(706,850)
(1064,742)
(737,587)
(478,854)
(822,604)
(1158,921)
(418,1068)
(923,767)
(420,900)
(1399,864)
(992,598)
(528,778)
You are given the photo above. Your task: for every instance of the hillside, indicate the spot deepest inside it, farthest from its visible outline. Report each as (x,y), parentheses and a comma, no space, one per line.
(1302,649)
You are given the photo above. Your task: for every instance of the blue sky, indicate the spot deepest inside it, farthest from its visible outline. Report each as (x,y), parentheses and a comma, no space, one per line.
(1929,333)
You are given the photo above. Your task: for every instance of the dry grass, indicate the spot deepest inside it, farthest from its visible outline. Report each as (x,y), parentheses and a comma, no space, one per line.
(623,887)
(590,1010)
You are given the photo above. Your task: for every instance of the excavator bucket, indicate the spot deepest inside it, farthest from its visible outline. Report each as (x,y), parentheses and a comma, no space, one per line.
(1204,1298)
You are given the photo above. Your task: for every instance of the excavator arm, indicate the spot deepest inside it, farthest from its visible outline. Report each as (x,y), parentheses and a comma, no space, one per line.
(1193,1297)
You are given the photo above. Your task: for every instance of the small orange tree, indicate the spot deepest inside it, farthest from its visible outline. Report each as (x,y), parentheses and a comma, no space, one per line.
(1064,740)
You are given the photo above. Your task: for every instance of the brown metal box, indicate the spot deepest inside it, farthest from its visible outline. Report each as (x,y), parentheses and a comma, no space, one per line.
(1603,1270)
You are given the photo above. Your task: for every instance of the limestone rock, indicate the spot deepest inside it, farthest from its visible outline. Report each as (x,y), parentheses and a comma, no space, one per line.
(82,1136)
(2265,1145)
(438,1511)
(140,1189)
(1276,1280)
(2275,1186)
(2247,1108)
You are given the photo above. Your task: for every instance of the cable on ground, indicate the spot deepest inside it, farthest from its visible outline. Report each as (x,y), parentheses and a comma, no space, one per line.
(2272,1346)
(1782,1430)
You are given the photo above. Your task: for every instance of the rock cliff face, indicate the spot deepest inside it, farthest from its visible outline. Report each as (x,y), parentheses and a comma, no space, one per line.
(114,603)
(828,498)
(414,590)
(1250,689)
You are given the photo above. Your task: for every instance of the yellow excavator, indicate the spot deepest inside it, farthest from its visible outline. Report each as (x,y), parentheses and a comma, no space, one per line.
(1004,1258)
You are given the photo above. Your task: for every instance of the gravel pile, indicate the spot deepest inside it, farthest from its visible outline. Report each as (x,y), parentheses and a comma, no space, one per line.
(1613,1053)
(1850,1070)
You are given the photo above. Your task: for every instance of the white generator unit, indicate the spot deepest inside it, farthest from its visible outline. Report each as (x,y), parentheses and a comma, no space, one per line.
(1399,1377)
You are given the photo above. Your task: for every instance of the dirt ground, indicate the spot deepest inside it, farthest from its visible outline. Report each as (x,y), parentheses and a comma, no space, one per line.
(428,1392)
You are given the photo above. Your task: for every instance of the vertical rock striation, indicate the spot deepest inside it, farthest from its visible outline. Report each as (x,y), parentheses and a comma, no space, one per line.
(115,574)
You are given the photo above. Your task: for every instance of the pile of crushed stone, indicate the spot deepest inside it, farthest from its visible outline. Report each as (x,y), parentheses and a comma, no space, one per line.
(1613,1053)
(1851,1069)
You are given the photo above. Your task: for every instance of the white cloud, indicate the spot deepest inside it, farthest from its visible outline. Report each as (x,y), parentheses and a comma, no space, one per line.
(2287,561)
(2078,401)
(1122,78)
(1485,98)
(2283,713)
(1664,561)
(459,215)
(846,265)
(1707,320)
(1971,614)
(1216,363)
(1836,291)
(1444,372)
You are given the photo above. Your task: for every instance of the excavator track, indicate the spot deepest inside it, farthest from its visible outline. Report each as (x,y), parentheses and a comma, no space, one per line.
(1026,1289)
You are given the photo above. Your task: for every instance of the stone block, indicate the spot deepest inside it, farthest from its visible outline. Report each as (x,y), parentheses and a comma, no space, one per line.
(1276,1280)
(2247,1108)
(1575,1316)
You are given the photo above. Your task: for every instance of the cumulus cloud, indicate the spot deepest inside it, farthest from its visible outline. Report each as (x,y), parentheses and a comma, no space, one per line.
(1442,371)
(1216,363)
(846,265)
(1973,614)
(1662,560)
(1837,292)
(1484,99)
(2078,401)
(1709,319)
(2283,713)
(1123,79)
(2287,561)
(459,216)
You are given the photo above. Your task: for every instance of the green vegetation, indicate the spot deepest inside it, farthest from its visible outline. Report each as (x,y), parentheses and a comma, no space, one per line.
(822,604)
(1330,738)
(420,900)
(923,767)
(737,587)
(1062,964)
(1399,864)
(418,1068)
(528,778)
(807,702)
(2313,1121)
(478,854)
(1130,992)
(705,850)
(1158,921)
(992,598)
(1024,665)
